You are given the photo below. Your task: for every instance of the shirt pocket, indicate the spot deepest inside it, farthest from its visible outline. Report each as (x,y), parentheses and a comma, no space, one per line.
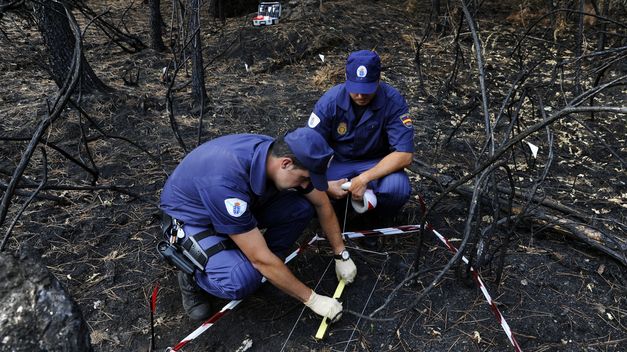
(367,136)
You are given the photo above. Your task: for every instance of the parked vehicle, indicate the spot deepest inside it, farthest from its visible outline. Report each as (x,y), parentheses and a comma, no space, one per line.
(267,14)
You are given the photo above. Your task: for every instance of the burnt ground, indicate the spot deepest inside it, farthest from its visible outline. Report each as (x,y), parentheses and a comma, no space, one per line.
(556,292)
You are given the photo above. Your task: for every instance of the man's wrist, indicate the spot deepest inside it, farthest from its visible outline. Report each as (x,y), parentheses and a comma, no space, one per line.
(339,250)
(343,255)
(365,177)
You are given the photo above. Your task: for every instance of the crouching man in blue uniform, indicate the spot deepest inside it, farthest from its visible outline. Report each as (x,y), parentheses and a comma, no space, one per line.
(226,189)
(367,123)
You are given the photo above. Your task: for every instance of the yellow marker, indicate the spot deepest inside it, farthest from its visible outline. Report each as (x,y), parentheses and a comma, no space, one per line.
(324,325)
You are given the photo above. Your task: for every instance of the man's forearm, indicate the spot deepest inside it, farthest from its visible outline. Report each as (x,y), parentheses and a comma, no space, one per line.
(254,247)
(327,218)
(280,276)
(390,163)
(330,226)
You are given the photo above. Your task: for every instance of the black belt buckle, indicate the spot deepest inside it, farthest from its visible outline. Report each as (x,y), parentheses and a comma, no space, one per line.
(194,252)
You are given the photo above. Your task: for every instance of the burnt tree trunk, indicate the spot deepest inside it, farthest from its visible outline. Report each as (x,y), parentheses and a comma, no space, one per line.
(216,9)
(199,94)
(156,25)
(55,30)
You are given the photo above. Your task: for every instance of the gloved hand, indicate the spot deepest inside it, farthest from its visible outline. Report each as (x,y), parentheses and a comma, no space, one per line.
(325,306)
(345,269)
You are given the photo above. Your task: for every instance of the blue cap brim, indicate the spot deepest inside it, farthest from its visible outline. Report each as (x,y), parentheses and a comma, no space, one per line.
(361,87)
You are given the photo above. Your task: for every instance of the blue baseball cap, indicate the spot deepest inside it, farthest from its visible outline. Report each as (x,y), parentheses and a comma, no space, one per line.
(363,71)
(313,152)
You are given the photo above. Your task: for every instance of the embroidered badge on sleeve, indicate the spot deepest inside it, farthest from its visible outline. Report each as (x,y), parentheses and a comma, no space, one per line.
(235,206)
(314,120)
(406,120)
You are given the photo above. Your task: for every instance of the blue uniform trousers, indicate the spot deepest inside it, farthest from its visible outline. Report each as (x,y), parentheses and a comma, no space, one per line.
(392,191)
(229,274)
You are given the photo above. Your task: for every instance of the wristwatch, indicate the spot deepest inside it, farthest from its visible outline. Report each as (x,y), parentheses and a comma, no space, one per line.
(344,255)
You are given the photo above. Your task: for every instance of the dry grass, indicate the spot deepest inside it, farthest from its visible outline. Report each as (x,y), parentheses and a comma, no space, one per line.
(327,76)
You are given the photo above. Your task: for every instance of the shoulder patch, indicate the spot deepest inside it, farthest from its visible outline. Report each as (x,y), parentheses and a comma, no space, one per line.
(235,206)
(314,120)
(406,120)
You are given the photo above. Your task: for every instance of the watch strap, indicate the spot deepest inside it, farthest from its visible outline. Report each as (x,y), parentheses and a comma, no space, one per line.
(339,256)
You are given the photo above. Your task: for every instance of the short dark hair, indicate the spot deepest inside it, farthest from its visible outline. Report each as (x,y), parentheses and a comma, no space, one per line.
(280,149)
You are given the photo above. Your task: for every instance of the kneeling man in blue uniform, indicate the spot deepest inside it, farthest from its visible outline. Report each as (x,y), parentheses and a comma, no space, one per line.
(368,125)
(229,188)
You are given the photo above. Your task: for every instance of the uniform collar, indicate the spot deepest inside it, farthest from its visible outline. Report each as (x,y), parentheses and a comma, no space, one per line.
(344,100)
(258,174)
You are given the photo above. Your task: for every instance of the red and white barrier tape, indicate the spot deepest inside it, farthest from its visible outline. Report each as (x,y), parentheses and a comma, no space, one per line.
(382,232)
(231,305)
(354,235)
(484,290)
(412,228)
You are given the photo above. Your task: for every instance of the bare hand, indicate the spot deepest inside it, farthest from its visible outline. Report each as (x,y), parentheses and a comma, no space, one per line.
(335,190)
(358,187)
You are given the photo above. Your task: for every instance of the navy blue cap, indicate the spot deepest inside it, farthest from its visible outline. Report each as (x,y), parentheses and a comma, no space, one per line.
(363,71)
(313,152)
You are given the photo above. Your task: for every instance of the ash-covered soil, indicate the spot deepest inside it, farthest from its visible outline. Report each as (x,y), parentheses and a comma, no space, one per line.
(556,292)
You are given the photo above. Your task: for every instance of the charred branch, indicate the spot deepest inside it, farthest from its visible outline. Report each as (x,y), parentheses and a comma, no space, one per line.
(60,150)
(127,42)
(199,93)
(614,246)
(25,184)
(530,204)
(28,201)
(58,107)
(38,196)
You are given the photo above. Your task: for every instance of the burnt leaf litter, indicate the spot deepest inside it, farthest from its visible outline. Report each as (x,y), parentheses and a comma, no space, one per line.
(557,291)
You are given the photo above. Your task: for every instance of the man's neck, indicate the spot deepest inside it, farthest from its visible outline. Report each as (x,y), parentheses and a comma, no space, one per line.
(359,111)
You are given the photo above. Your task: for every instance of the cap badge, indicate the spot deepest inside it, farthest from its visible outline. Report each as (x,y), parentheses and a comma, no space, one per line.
(362,71)
(342,128)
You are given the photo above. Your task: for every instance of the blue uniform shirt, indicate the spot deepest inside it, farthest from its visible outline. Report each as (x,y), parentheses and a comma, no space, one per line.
(384,127)
(218,183)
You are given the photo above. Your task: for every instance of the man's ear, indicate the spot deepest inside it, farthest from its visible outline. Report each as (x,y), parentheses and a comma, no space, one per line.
(286,162)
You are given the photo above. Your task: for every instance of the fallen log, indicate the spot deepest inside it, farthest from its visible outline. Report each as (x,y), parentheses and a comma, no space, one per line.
(605,241)
(613,246)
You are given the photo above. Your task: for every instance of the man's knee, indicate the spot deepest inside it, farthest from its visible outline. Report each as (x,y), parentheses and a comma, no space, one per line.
(289,208)
(302,210)
(229,275)
(281,236)
(394,190)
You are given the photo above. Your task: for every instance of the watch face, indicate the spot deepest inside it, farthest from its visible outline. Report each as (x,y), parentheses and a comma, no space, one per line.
(345,255)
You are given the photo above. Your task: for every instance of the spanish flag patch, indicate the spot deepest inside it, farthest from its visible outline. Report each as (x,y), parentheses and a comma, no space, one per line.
(406,120)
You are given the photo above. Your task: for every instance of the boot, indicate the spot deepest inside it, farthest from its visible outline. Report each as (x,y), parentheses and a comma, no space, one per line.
(195,301)
(367,221)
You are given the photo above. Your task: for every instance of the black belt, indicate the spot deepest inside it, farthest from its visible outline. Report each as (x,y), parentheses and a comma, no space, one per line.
(225,244)
(189,248)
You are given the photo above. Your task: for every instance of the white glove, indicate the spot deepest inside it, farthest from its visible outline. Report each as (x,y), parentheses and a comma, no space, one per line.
(345,269)
(325,306)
